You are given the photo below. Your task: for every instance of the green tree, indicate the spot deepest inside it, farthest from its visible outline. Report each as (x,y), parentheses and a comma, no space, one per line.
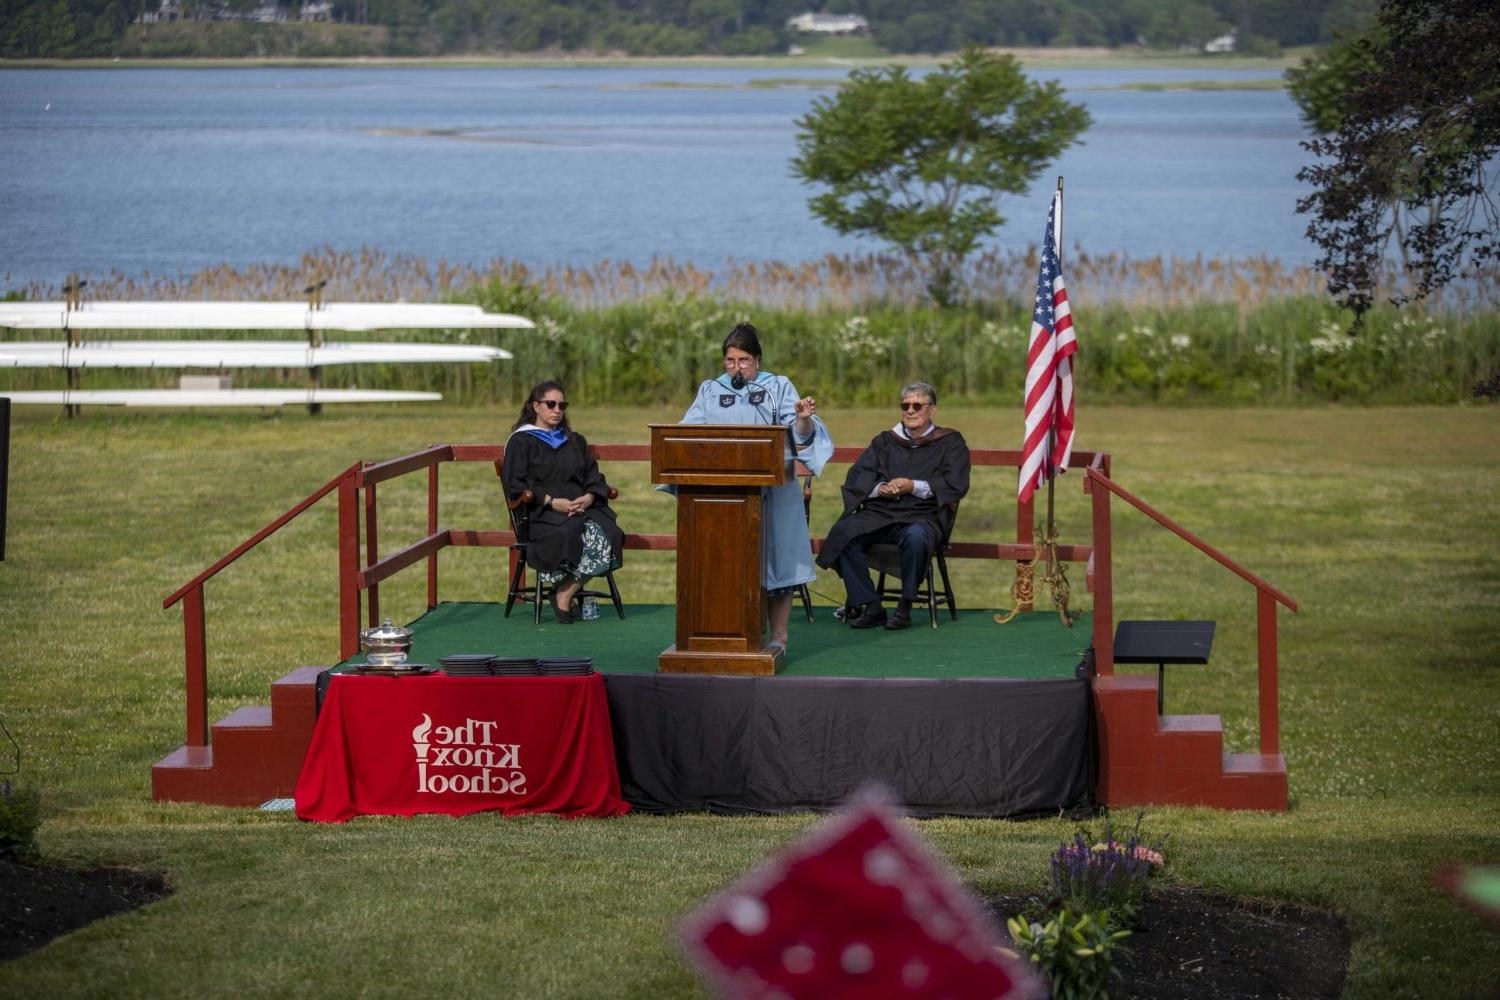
(1412,120)
(1183,24)
(1322,81)
(922,162)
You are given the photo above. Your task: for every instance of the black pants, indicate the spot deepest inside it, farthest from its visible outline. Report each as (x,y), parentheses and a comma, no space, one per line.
(917,546)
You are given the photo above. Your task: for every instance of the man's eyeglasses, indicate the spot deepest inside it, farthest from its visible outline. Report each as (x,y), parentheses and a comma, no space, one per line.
(913,407)
(553,404)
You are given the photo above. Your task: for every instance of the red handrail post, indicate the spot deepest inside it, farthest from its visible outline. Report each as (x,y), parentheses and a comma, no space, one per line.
(1270,711)
(195,646)
(1025,512)
(1104,600)
(348,566)
(432,527)
(372,551)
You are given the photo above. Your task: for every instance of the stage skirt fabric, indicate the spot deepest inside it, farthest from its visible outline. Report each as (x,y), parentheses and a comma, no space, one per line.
(437,744)
(961,747)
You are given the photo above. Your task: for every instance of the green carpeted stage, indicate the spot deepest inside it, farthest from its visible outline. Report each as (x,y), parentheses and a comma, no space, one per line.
(1035,646)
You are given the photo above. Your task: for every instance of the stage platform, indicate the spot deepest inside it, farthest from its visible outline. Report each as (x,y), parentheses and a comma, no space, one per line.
(969,719)
(1033,647)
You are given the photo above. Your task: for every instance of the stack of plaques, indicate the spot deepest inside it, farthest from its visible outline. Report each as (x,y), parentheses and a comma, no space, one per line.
(405,669)
(467,664)
(566,666)
(513,666)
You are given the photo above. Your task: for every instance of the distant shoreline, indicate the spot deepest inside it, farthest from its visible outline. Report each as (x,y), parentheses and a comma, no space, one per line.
(1061,58)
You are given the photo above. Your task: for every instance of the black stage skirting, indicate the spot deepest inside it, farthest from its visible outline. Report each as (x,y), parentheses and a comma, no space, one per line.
(961,747)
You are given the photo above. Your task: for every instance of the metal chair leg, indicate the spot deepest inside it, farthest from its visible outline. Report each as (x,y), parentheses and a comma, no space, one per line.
(614,593)
(931,596)
(947,587)
(515,585)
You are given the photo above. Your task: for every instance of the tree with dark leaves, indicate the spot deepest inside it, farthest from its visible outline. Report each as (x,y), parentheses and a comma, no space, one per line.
(1413,157)
(921,162)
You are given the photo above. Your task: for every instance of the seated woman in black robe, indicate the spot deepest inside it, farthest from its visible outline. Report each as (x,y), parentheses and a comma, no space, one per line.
(573,535)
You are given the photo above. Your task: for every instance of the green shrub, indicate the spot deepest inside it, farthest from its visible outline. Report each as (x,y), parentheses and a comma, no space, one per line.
(1074,950)
(20,815)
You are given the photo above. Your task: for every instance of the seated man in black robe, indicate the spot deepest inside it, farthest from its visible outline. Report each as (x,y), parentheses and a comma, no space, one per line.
(904,490)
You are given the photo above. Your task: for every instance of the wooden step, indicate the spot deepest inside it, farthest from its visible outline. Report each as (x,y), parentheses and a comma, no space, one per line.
(1254,781)
(1175,759)
(294,700)
(256,750)
(1191,741)
(1190,724)
(1251,764)
(187,774)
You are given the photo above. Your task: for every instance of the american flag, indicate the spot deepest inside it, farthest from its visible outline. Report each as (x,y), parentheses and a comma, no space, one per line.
(1049,370)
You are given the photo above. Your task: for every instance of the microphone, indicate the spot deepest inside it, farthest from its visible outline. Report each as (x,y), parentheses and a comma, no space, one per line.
(737,382)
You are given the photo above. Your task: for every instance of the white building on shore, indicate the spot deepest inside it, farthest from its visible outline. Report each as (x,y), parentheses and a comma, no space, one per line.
(828,24)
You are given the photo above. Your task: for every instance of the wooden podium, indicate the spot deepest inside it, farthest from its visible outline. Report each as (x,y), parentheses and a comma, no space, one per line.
(719,471)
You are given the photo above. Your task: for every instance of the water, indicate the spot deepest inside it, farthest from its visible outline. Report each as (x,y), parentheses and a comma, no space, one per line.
(171,170)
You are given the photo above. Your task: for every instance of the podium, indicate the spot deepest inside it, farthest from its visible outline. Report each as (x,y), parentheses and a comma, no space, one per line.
(719,471)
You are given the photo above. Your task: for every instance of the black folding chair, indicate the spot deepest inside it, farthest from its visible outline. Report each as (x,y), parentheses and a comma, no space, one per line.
(806,512)
(886,558)
(520,523)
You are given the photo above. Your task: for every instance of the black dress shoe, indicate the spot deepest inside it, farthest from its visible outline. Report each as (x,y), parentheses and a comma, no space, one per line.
(563,617)
(901,617)
(871,616)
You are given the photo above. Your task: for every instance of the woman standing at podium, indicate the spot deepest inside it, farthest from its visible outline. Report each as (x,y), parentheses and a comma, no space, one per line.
(573,534)
(744,394)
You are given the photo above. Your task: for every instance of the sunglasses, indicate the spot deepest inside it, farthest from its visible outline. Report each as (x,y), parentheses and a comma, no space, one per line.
(912,407)
(553,404)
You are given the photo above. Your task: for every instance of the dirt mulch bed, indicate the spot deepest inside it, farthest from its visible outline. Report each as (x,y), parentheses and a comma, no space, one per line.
(1193,945)
(1196,945)
(39,903)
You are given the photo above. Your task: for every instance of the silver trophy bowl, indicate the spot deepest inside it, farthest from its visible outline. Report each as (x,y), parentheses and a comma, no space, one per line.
(385,646)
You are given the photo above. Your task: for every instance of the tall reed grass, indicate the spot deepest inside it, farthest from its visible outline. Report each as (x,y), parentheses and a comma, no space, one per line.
(850,329)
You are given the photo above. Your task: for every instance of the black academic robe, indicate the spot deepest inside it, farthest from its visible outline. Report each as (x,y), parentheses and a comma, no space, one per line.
(941,458)
(564,473)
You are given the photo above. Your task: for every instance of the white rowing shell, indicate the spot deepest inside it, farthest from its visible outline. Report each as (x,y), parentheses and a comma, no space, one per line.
(216,397)
(354,316)
(233,354)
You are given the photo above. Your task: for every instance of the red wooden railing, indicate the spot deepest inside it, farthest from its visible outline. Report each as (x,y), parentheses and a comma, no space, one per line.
(191,593)
(355,578)
(1099,486)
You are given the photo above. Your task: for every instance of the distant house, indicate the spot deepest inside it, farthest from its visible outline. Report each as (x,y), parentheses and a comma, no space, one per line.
(828,24)
(268,12)
(169,10)
(1224,43)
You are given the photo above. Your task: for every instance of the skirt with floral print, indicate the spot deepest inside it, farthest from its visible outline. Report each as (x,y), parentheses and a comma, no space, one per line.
(597,558)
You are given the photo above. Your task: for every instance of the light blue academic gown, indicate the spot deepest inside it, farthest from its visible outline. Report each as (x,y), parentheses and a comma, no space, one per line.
(786,554)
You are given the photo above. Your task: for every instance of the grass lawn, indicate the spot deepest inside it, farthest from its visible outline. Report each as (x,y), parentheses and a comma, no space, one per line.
(1375,520)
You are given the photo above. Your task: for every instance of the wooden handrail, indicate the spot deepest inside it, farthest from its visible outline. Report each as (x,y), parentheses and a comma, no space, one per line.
(259,536)
(379,472)
(1266,599)
(1258,582)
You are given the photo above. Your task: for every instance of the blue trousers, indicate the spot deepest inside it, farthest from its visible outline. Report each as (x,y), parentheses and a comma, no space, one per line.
(917,546)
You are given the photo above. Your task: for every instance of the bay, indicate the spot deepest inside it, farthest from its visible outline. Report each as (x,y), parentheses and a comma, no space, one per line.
(168,171)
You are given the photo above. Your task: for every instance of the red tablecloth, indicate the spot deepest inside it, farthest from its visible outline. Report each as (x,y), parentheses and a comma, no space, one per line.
(437,744)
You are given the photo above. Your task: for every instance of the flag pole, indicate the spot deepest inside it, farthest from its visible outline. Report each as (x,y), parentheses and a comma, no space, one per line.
(1055,574)
(1051,535)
